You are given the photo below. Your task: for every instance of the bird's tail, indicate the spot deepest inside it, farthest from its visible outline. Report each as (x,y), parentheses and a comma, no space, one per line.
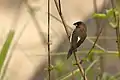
(69,53)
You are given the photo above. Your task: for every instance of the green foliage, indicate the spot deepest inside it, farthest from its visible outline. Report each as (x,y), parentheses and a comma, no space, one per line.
(5,48)
(109,13)
(90,57)
(107,76)
(117,76)
(118,5)
(99,15)
(112,13)
(69,75)
(59,65)
(91,65)
(114,25)
(77,70)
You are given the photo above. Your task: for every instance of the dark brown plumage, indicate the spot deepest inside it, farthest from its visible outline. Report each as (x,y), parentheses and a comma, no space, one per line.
(79,31)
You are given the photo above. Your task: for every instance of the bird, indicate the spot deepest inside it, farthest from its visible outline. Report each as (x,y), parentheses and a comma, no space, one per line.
(79,32)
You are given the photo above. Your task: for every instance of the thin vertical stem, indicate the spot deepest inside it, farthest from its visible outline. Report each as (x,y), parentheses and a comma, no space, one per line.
(32,13)
(112,3)
(80,67)
(117,27)
(99,31)
(98,25)
(49,40)
(65,26)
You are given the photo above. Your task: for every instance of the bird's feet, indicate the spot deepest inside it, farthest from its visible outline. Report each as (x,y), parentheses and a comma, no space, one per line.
(75,50)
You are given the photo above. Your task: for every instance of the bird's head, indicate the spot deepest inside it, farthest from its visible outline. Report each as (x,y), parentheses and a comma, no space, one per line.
(79,23)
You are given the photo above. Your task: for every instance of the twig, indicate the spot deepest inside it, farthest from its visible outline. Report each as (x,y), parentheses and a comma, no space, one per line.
(117,27)
(100,30)
(98,34)
(80,68)
(32,13)
(99,26)
(77,70)
(49,70)
(63,21)
(81,53)
(73,75)
(60,14)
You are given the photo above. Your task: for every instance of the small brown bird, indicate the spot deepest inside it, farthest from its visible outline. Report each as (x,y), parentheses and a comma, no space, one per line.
(79,32)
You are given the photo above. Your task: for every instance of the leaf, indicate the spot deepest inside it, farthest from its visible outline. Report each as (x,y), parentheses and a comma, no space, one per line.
(5,48)
(107,76)
(114,25)
(116,76)
(68,75)
(91,65)
(112,78)
(59,65)
(99,15)
(117,13)
(91,55)
(109,13)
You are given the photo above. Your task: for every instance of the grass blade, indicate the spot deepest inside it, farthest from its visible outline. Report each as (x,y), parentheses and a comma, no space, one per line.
(5,48)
